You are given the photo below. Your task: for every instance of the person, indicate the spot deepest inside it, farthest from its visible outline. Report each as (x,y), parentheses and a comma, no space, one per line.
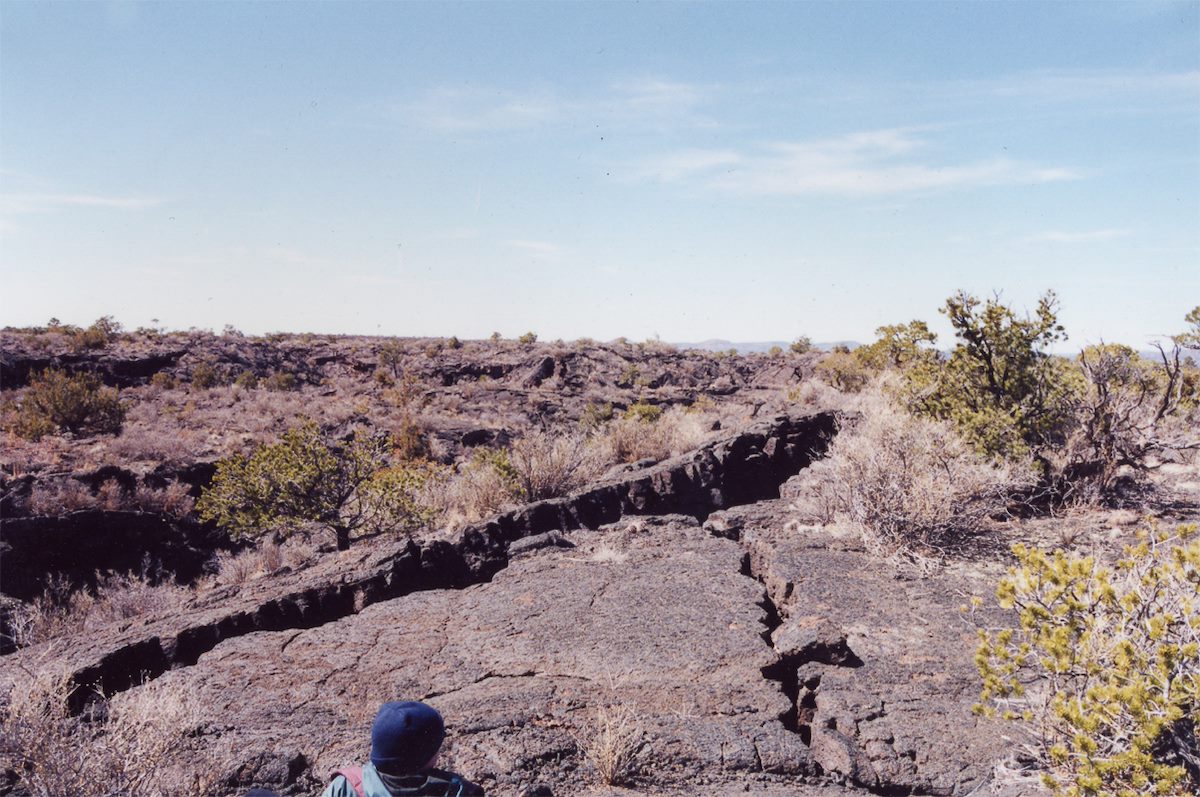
(405,740)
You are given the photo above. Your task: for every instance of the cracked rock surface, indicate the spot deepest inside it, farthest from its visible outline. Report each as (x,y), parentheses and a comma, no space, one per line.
(884,676)
(653,614)
(693,632)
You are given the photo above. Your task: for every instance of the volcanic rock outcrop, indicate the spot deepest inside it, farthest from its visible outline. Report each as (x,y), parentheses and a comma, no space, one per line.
(755,657)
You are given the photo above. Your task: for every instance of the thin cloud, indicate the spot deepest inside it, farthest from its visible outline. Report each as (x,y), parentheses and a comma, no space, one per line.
(377,280)
(642,102)
(687,163)
(42,203)
(1078,237)
(466,110)
(1081,85)
(544,250)
(656,95)
(871,163)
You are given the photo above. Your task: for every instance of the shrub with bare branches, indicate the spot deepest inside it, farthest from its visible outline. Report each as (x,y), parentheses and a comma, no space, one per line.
(1129,416)
(547,465)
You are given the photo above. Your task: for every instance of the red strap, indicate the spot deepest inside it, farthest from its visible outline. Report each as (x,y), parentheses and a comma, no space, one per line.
(353,776)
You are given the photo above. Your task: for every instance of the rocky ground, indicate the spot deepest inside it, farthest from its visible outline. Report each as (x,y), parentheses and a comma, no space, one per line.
(743,653)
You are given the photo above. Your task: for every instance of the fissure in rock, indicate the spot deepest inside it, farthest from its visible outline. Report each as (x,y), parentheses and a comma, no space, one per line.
(744,468)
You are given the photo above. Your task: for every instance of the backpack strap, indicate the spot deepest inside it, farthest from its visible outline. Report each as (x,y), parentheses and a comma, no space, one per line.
(353,776)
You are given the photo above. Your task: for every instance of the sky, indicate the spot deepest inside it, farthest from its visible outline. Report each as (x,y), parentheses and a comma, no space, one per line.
(745,171)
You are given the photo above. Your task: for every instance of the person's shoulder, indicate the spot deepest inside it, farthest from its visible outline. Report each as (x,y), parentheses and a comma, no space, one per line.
(466,787)
(339,787)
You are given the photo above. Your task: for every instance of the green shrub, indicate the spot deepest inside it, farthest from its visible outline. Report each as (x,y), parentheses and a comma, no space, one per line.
(1103,669)
(1000,387)
(80,404)
(527,339)
(205,375)
(391,356)
(308,478)
(246,380)
(843,370)
(409,442)
(102,332)
(898,346)
(163,380)
(801,345)
(594,416)
(643,412)
(280,381)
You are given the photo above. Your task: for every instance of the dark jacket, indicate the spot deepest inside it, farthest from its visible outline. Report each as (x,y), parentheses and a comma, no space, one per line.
(429,783)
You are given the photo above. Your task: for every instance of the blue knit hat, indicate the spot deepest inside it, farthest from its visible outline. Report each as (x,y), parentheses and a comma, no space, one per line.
(405,737)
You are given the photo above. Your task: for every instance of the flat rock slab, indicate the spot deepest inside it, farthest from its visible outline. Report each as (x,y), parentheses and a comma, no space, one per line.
(653,617)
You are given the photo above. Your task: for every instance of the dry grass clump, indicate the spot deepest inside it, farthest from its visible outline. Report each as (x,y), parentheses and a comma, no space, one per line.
(265,559)
(61,497)
(638,435)
(909,483)
(62,609)
(611,743)
(137,743)
(480,487)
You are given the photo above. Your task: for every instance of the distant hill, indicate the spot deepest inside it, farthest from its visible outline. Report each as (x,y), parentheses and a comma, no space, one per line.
(750,347)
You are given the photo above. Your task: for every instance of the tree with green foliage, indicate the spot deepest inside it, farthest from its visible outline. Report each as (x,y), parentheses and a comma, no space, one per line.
(391,356)
(898,345)
(56,401)
(801,345)
(1103,667)
(308,478)
(1000,386)
(102,332)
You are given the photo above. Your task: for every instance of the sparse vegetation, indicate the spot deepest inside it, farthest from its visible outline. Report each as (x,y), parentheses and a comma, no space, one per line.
(547,465)
(102,332)
(646,431)
(909,483)
(611,743)
(140,742)
(481,486)
(205,375)
(62,608)
(801,345)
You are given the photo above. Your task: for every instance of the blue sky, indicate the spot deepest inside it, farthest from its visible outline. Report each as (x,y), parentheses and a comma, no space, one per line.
(751,171)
